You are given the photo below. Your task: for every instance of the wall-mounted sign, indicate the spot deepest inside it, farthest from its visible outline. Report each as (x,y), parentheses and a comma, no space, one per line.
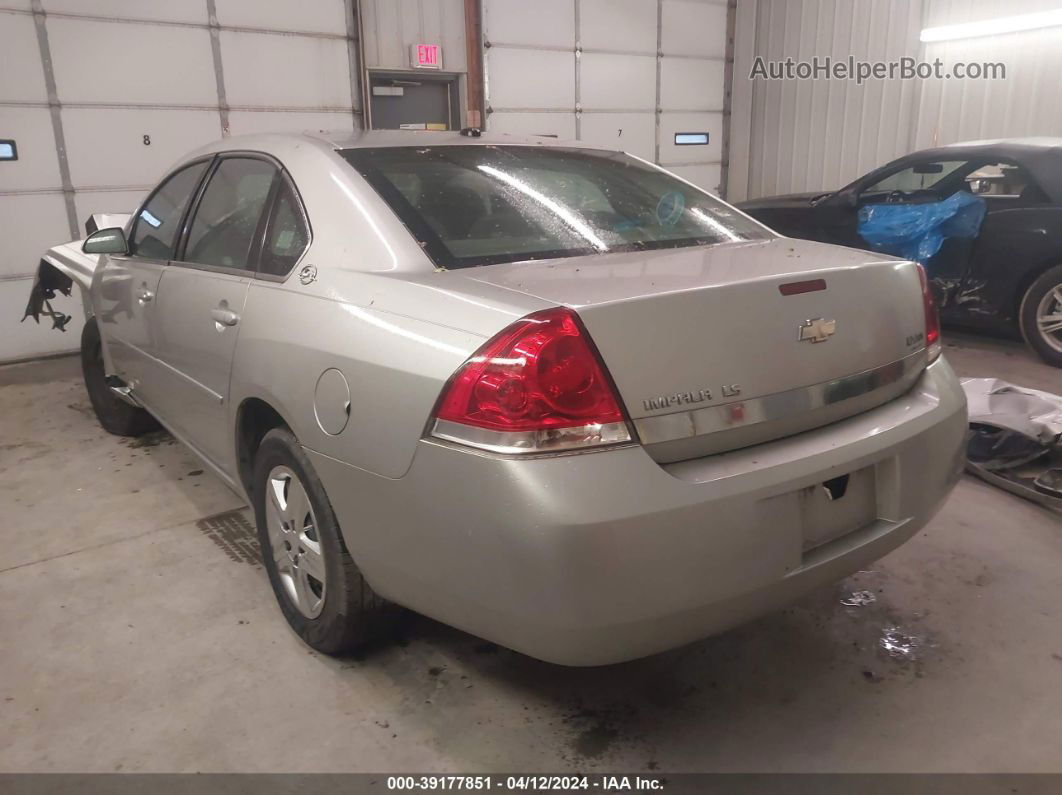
(425,56)
(8,150)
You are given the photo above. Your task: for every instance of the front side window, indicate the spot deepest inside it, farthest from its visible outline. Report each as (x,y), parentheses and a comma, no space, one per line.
(157,224)
(475,205)
(286,236)
(228,215)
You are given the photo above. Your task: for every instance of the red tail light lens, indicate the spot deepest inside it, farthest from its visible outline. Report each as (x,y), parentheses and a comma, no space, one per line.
(932,317)
(535,387)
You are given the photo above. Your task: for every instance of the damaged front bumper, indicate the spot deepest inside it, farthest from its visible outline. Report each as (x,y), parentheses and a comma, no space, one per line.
(59,270)
(64,266)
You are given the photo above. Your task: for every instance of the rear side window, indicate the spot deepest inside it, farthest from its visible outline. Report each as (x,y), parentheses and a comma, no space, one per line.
(286,236)
(157,224)
(1005,180)
(229,213)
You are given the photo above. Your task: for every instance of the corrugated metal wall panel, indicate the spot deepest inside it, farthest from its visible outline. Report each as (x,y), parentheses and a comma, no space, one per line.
(1023,104)
(817,134)
(821,134)
(391,26)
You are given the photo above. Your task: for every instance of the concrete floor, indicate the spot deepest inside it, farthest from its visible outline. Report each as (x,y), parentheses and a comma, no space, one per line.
(140,634)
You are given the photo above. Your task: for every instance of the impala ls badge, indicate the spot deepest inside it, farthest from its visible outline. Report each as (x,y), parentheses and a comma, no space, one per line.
(817,330)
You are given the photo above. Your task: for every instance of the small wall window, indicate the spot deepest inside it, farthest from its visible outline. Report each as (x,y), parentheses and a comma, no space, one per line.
(8,149)
(691,139)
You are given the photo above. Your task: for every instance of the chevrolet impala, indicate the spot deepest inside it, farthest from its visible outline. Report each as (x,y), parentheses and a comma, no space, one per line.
(544,392)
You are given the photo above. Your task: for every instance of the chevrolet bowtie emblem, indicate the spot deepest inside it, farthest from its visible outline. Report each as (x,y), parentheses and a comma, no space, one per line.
(817,330)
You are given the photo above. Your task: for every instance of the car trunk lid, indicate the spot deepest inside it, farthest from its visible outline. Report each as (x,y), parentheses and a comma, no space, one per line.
(714,348)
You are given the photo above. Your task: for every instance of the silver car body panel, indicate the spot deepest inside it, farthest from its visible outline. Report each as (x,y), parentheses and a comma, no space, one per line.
(601,557)
(739,423)
(712,524)
(69,259)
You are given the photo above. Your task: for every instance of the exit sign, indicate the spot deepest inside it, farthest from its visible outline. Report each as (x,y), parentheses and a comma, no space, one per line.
(425,56)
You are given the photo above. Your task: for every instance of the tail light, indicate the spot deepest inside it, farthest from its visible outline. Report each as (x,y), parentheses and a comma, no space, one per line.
(538,386)
(932,317)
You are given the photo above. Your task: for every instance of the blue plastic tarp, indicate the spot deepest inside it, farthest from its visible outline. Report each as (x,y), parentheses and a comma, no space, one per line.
(917,231)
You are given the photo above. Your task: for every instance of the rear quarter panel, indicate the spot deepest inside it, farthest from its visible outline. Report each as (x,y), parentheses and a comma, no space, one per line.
(396,338)
(371,306)
(394,366)
(1013,248)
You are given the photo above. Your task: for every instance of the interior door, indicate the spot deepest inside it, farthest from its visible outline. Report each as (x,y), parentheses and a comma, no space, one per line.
(129,284)
(201,298)
(415,101)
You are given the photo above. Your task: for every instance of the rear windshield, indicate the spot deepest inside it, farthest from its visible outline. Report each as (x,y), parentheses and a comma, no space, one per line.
(477,205)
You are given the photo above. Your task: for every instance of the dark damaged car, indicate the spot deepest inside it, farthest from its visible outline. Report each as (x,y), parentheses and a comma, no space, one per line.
(1008,276)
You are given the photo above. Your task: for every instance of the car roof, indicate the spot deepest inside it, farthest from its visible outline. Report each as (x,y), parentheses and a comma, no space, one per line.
(1040,156)
(1036,142)
(364,139)
(380,138)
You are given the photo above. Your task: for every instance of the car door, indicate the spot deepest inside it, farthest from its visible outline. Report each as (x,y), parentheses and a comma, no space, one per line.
(925,181)
(910,183)
(201,298)
(1012,242)
(129,284)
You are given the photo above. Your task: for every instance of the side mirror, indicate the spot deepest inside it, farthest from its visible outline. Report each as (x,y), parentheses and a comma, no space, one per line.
(106,241)
(846,198)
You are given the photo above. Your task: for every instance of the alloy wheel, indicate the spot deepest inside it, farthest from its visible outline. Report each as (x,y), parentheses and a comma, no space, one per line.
(295,542)
(1049,317)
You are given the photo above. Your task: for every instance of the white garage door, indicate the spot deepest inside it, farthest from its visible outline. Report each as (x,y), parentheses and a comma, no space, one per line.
(101,98)
(631,73)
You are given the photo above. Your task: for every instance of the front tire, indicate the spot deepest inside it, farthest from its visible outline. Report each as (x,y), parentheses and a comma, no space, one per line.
(114,414)
(320,589)
(1041,316)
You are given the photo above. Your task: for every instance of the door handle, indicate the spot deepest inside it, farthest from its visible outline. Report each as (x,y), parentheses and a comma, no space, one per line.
(226,317)
(144,295)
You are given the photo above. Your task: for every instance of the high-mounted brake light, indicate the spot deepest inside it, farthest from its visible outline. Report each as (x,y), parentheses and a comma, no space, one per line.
(538,386)
(933,346)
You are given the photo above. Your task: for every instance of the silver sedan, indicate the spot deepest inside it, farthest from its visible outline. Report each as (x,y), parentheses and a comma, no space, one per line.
(547,393)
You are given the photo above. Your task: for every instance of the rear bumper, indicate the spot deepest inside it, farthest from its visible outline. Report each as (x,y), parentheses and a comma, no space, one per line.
(597,558)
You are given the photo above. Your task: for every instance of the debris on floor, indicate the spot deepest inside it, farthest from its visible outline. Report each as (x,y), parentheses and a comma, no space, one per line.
(898,644)
(859,599)
(1015,439)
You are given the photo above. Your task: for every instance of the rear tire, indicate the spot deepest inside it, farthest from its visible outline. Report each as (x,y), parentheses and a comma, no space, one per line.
(1043,300)
(114,414)
(320,589)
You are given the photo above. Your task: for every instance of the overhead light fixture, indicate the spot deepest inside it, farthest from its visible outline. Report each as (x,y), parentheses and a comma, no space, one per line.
(994,27)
